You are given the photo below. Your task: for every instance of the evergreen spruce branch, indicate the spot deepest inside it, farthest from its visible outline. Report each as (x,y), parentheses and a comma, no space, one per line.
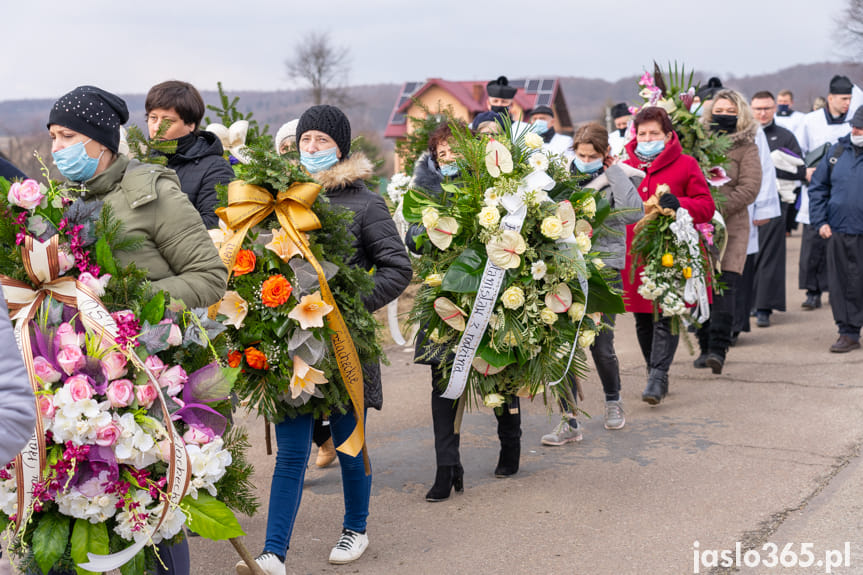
(235,488)
(151,150)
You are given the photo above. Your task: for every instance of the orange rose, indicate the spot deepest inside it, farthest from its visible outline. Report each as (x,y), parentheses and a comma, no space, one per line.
(245,262)
(234,358)
(276,291)
(256,359)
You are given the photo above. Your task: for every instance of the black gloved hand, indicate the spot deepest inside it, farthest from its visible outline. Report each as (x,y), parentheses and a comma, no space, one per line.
(669,201)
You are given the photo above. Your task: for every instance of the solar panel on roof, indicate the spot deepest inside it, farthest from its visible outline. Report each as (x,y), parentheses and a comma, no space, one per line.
(398,118)
(410,88)
(543,100)
(532,85)
(547,85)
(517,84)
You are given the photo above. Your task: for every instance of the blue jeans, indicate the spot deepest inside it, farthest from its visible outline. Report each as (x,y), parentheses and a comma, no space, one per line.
(294,440)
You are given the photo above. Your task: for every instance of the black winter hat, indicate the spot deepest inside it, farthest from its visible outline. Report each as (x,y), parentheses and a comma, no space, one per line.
(93,112)
(329,120)
(500,88)
(485,117)
(542,110)
(857,120)
(620,110)
(841,85)
(707,92)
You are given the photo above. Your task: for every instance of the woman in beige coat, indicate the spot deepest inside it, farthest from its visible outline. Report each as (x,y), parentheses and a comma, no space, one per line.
(730,114)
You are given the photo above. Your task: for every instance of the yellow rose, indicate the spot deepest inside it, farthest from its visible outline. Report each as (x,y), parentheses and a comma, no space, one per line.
(533,140)
(493,400)
(434,280)
(585,339)
(667,260)
(583,242)
(552,227)
(430,217)
(512,298)
(687,272)
(548,316)
(489,217)
(588,207)
(576,311)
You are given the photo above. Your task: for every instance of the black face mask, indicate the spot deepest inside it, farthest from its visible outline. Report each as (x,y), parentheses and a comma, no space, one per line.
(621,131)
(724,123)
(502,110)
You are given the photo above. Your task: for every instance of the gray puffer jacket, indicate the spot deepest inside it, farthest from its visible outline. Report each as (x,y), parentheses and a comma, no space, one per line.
(619,182)
(377,242)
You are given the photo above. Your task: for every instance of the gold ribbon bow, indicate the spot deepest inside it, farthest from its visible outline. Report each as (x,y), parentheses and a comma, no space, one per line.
(249,205)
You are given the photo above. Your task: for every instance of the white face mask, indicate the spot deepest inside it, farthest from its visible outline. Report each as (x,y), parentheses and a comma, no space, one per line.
(857,140)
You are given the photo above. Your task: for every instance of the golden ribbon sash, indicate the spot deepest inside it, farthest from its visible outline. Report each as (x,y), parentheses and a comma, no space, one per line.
(249,205)
(41,263)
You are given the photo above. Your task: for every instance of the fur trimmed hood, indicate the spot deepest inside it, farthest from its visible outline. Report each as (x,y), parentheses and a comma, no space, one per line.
(356,167)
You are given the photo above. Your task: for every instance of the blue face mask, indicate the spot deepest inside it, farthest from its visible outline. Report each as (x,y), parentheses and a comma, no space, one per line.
(449,170)
(650,149)
(588,167)
(540,126)
(319,161)
(74,162)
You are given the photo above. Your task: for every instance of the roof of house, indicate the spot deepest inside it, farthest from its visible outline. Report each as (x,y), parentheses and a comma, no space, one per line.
(531,92)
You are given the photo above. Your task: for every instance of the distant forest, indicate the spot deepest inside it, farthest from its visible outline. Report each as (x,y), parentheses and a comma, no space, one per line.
(22,122)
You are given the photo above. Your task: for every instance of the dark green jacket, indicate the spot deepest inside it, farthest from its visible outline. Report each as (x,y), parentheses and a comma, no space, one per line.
(177,251)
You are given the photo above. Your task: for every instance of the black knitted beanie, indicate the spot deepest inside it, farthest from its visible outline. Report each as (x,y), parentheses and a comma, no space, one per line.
(329,120)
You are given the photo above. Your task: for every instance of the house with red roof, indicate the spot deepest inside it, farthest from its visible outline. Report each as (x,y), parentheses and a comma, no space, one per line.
(466,99)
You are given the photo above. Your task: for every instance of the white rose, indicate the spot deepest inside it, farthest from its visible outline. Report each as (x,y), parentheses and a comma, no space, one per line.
(588,207)
(430,217)
(512,298)
(548,316)
(598,263)
(493,400)
(489,217)
(533,140)
(434,280)
(552,227)
(576,311)
(585,339)
(583,242)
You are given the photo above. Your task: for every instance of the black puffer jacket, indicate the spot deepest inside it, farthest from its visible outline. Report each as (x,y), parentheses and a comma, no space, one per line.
(377,242)
(200,166)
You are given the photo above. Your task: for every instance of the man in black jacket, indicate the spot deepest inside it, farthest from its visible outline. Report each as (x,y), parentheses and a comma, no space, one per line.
(768,291)
(198,158)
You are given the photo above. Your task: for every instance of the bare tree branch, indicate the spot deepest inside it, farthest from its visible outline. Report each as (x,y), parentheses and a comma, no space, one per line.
(849,25)
(324,66)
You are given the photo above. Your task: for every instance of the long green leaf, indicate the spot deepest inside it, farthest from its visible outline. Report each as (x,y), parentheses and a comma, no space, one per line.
(465,273)
(210,518)
(602,298)
(88,538)
(104,257)
(50,540)
(136,566)
(154,311)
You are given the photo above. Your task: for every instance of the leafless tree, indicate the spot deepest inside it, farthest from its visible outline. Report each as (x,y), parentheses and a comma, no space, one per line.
(323,65)
(849,25)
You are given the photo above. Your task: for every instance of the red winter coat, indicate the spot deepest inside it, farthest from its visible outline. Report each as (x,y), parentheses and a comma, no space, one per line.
(683,175)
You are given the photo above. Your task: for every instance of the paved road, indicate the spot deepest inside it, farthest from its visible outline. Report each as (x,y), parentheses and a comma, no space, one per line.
(769,451)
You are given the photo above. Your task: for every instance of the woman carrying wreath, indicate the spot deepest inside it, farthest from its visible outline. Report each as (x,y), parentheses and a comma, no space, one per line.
(729,113)
(656,150)
(175,249)
(324,139)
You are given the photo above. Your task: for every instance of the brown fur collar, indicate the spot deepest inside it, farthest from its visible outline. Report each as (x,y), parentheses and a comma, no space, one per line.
(355,167)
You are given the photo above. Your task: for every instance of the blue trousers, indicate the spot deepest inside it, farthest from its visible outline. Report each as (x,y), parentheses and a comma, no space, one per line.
(294,441)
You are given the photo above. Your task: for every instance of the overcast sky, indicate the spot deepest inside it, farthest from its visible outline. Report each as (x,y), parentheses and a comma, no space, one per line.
(51,46)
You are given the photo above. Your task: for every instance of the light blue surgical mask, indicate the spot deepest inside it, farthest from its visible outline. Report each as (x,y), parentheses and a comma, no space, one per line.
(588,167)
(320,161)
(540,126)
(449,170)
(75,163)
(650,149)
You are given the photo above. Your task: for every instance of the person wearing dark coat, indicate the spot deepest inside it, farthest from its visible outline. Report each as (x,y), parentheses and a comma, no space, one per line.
(836,211)
(433,168)
(324,140)
(198,159)
(9,171)
(765,270)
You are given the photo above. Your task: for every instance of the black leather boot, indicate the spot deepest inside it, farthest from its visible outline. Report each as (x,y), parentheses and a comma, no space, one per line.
(507,463)
(446,478)
(657,387)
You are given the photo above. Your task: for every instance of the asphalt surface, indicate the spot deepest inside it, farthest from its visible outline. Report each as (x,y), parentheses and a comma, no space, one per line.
(766,453)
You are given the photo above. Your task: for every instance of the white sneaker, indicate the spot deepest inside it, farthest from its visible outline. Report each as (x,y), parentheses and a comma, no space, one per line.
(563,433)
(350,547)
(268,562)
